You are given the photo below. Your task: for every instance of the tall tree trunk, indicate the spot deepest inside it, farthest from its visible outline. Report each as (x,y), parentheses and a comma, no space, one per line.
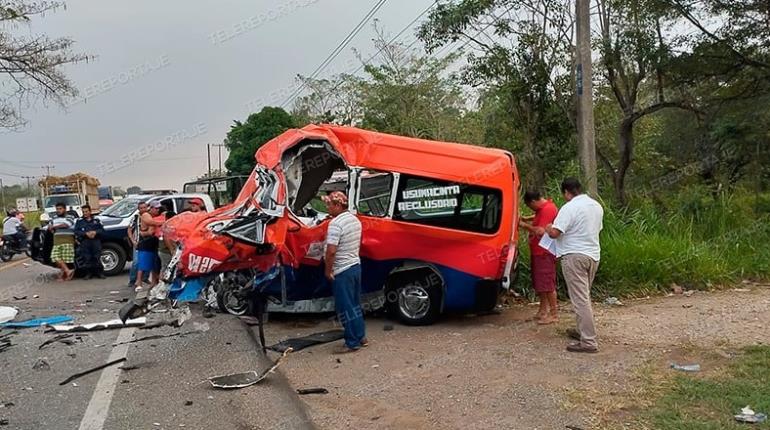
(625,152)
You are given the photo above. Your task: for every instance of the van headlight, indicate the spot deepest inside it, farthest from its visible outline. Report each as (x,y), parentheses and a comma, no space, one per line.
(44,218)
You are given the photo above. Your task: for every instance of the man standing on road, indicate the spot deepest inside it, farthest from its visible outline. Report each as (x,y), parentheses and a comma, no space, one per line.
(133,239)
(542,262)
(147,246)
(63,251)
(576,230)
(343,269)
(88,232)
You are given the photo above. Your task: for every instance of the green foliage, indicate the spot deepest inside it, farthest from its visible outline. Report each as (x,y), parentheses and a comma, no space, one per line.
(244,138)
(693,402)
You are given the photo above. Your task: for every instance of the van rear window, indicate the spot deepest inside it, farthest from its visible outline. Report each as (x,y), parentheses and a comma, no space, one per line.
(448,204)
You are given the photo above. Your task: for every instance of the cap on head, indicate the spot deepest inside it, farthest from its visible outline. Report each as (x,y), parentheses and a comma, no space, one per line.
(336,197)
(196,201)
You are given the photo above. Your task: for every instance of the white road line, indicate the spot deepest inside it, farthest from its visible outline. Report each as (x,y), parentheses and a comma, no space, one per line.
(99,406)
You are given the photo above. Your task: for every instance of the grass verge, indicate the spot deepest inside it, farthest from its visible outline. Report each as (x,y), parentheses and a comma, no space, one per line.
(709,401)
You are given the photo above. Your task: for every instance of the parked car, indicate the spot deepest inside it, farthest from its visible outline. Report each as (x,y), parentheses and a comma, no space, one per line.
(439,223)
(116,249)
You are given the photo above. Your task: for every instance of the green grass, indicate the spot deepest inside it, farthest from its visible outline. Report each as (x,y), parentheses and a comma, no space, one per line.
(693,402)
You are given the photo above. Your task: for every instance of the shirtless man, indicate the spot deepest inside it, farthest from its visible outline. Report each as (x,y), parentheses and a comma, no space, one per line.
(147,246)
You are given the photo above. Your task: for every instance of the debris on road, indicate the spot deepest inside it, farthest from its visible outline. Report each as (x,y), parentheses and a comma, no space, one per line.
(302,391)
(245,379)
(300,343)
(116,323)
(613,301)
(91,370)
(7,313)
(742,290)
(387,327)
(676,289)
(37,322)
(19,298)
(5,340)
(748,416)
(41,364)
(686,367)
(689,293)
(161,336)
(67,339)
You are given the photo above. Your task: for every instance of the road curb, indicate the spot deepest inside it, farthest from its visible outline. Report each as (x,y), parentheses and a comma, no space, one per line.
(280,380)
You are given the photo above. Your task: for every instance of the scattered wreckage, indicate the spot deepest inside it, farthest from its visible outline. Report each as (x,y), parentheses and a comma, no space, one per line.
(439,224)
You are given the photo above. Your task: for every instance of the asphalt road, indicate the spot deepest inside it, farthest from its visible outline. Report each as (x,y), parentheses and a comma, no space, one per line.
(166,385)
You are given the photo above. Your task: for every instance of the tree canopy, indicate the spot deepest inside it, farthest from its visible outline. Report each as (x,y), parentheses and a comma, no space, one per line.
(244,138)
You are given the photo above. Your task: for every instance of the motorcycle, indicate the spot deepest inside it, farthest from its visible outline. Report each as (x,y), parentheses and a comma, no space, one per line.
(9,247)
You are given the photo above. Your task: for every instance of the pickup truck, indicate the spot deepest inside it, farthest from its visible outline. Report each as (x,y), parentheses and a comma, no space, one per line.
(116,249)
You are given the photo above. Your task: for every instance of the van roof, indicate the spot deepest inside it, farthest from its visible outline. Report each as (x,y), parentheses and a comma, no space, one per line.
(381,151)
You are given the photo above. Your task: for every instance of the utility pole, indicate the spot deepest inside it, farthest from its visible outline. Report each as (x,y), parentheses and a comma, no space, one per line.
(585,111)
(29,187)
(208,152)
(48,168)
(2,194)
(219,146)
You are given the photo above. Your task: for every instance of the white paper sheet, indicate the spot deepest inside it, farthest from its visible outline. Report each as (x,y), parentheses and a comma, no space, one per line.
(547,243)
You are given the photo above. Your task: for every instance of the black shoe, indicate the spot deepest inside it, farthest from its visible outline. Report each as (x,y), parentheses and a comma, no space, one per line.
(577,347)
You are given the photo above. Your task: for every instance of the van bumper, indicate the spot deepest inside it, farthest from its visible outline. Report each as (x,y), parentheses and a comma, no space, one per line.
(487,291)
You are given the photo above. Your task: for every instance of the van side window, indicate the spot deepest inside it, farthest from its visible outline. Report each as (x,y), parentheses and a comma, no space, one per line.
(448,204)
(374,196)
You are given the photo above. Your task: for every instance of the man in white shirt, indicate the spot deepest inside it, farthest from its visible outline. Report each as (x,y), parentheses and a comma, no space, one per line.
(343,269)
(576,230)
(14,227)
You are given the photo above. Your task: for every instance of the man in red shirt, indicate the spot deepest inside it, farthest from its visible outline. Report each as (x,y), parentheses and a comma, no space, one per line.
(543,263)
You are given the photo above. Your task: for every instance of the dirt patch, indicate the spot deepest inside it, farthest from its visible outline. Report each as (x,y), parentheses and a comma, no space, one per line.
(503,371)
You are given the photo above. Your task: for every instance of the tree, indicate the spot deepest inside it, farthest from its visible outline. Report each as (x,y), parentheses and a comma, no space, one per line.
(524,66)
(336,100)
(216,173)
(635,56)
(133,190)
(244,138)
(32,64)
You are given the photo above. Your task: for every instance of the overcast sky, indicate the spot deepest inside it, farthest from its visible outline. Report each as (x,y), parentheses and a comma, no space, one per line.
(171,76)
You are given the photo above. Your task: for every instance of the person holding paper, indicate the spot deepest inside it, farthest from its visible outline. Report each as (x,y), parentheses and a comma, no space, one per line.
(542,262)
(576,230)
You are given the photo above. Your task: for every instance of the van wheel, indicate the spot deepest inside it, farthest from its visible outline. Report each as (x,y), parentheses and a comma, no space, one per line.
(113,259)
(414,303)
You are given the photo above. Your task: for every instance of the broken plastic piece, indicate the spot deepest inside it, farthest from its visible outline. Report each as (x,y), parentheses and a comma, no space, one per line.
(7,313)
(100,326)
(748,416)
(245,379)
(37,322)
(686,367)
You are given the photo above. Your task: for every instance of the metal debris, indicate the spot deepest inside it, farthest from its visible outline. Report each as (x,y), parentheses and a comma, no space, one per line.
(100,326)
(303,391)
(245,379)
(91,370)
(66,338)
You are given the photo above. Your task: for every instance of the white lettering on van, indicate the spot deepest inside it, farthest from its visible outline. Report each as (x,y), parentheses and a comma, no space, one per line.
(200,264)
(420,193)
(427,204)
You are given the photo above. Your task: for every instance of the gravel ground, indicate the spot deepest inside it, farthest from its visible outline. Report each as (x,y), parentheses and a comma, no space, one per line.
(503,371)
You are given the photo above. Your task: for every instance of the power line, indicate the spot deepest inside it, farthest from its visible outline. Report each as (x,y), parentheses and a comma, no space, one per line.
(352,34)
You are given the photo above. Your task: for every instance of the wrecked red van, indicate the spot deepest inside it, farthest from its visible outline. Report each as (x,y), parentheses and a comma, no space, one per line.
(439,222)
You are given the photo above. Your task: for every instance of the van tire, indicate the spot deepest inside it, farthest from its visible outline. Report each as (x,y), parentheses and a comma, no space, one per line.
(116,256)
(413,302)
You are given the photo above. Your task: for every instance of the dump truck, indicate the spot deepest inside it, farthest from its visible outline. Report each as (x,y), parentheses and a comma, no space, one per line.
(73,190)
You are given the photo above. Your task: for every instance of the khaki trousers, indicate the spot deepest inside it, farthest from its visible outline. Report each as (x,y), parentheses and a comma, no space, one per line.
(579,271)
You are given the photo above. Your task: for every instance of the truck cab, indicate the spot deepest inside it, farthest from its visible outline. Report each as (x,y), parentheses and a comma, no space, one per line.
(116,249)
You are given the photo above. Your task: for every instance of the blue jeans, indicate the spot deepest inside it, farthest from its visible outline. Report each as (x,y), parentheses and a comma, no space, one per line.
(347,303)
(134,267)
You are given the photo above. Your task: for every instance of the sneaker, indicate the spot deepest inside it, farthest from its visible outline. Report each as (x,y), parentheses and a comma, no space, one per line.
(577,347)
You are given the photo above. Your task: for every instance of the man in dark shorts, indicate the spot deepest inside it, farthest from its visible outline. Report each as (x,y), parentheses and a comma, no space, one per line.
(543,263)
(147,247)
